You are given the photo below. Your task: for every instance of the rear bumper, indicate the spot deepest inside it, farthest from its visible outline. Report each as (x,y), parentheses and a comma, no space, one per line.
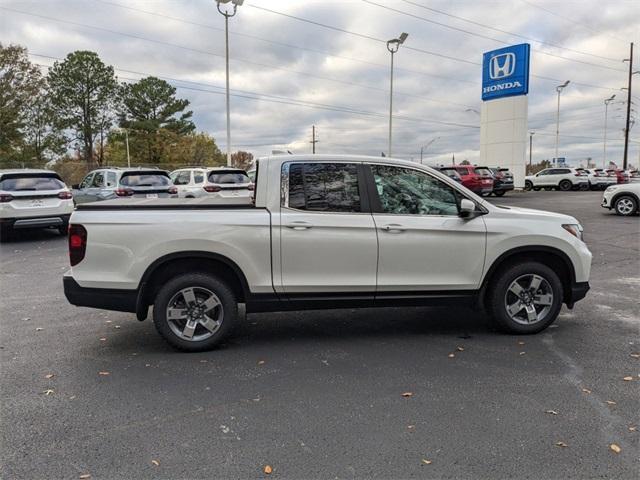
(503,187)
(36,222)
(106,299)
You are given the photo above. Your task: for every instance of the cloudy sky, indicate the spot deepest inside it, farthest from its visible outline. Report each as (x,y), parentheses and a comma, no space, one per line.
(300,63)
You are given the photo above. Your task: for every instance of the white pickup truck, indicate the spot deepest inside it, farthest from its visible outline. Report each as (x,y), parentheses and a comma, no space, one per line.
(324,232)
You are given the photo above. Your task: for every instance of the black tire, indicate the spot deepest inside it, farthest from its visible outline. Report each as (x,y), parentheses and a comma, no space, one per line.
(565,185)
(497,297)
(5,233)
(625,205)
(536,189)
(528,185)
(64,229)
(228,304)
(499,193)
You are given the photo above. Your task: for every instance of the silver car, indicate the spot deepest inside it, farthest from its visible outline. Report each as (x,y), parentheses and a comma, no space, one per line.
(216,182)
(113,182)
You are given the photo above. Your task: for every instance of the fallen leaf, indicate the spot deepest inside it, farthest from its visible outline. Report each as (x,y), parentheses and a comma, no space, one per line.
(85,475)
(407,394)
(39,329)
(460,349)
(426,462)
(109,321)
(522,353)
(117,326)
(520,343)
(451,355)
(26,319)
(411,427)
(610,402)
(48,392)
(268,469)
(261,362)
(551,412)
(586,390)
(561,444)
(49,375)
(635,355)
(615,448)
(156,463)
(633,428)
(104,373)
(103,339)
(203,361)
(628,379)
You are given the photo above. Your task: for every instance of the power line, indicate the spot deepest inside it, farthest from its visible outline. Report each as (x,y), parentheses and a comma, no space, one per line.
(280,99)
(450,27)
(524,37)
(281,44)
(408,47)
(205,52)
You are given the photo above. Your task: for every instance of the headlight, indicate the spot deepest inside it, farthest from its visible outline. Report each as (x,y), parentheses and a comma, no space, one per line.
(574,229)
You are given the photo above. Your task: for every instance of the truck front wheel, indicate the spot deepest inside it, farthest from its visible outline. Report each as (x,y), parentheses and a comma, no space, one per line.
(525,298)
(195,311)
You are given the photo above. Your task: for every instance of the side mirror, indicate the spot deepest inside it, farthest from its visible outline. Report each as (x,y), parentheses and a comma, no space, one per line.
(467,208)
(76,186)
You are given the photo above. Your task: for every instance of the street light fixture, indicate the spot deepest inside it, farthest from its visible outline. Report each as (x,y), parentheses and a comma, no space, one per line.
(227,15)
(393,45)
(606,114)
(424,147)
(559,89)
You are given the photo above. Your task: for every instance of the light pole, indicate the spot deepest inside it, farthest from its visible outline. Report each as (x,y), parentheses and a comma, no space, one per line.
(227,15)
(559,89)
(126,139)
(424,147)
(606,114)
(531,134)
(393,45)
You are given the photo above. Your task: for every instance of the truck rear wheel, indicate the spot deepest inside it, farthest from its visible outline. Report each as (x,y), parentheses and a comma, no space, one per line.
(195,312)
(525,298)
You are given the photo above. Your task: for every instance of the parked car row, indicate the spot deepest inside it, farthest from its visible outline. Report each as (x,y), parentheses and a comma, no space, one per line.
(481,180)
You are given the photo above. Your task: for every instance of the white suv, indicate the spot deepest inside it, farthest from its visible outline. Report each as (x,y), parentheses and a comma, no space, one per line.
(217,182)
(32,198)
(561,178)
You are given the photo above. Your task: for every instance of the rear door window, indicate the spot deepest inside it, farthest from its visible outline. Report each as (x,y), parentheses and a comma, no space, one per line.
(26,183)
(182,178)
(98,180)
(323,187)
(145,179)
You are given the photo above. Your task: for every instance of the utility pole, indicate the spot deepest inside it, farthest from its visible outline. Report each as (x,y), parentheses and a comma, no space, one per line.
(627,128)
(606,114)
(126,136)
(393,45)
(559,89)
(313,138)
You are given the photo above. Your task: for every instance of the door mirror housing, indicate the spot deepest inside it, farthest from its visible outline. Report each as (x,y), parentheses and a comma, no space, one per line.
(467,208)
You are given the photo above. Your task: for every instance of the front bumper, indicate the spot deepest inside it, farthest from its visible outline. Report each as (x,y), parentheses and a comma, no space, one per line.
(578,292)
(103,298)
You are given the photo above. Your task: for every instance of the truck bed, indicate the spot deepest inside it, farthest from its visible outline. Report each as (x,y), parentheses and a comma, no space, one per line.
(167,203)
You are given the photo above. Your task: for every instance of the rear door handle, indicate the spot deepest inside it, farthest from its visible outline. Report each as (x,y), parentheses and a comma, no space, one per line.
(393,228)
(299,225)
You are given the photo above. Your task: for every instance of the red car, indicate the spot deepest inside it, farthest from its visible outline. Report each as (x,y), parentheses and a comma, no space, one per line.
(477,179)
(621,175)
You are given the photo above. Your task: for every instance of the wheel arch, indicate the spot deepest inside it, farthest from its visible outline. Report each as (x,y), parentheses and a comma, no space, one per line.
(176,263)
(552,257)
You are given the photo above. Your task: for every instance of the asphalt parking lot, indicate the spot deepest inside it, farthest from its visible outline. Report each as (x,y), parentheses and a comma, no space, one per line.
(320,394)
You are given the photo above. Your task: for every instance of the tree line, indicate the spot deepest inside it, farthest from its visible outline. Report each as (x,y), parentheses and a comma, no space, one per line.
(80,112)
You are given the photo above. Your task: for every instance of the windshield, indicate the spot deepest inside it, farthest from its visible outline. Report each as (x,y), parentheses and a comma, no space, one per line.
(145,179)
(228,177)
(31,183)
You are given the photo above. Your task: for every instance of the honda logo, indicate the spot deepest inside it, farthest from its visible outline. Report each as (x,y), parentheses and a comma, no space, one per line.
(502,66)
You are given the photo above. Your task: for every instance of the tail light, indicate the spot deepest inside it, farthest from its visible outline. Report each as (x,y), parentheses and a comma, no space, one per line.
(65,195)
(212,188)
(173,190)
(77,243)
(124,192)
(5,198)
(251,187)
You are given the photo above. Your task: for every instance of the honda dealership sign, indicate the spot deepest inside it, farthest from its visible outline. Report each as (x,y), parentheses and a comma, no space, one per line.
(505,72)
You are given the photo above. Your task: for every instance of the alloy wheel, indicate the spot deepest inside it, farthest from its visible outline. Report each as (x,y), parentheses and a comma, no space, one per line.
(194,314)
(528,299)
(625,206)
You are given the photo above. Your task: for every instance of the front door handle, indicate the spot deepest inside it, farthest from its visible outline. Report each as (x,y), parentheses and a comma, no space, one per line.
(393,228)
(299,225)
